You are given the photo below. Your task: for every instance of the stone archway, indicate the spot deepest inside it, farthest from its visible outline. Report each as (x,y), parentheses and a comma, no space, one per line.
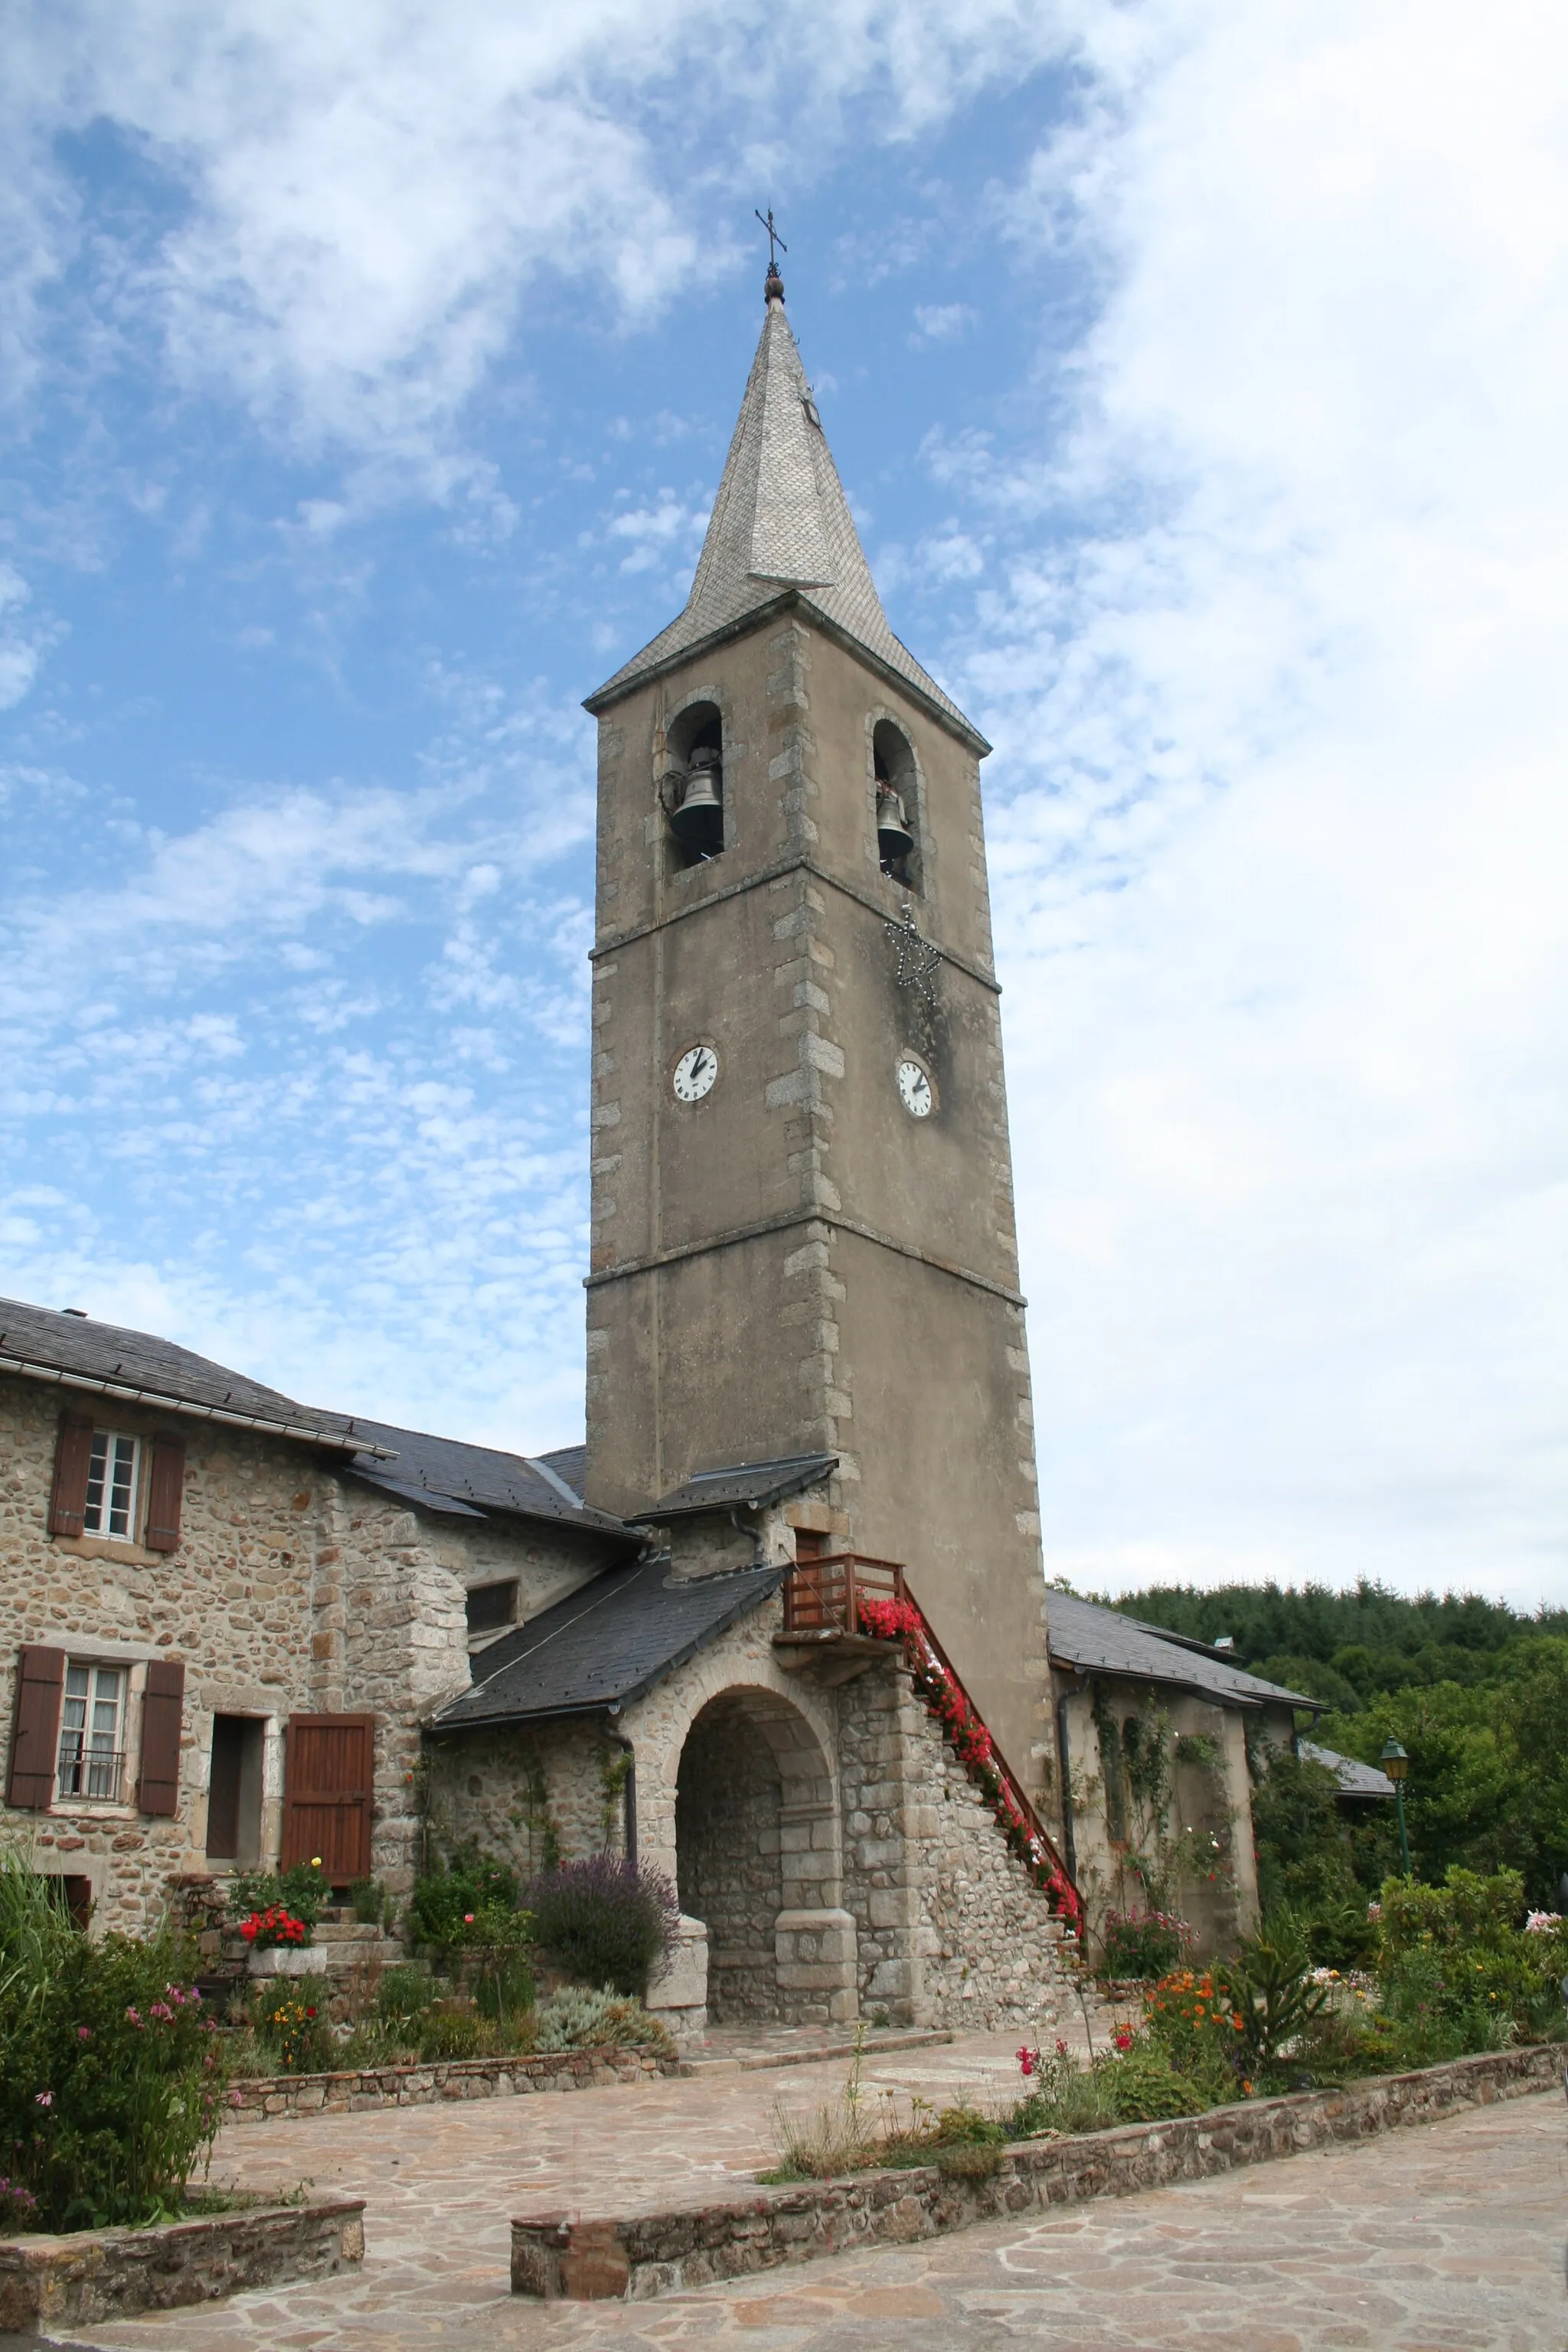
(757,1859)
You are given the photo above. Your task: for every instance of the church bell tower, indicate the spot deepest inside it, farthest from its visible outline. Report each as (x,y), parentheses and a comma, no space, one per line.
(802,1220)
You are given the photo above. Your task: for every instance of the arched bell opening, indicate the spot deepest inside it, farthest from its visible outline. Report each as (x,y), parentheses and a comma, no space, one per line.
(691,784)
(757,1859)
(896,783)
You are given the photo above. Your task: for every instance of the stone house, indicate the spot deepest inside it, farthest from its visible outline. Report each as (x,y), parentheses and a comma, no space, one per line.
(229,1614)
(780,1627)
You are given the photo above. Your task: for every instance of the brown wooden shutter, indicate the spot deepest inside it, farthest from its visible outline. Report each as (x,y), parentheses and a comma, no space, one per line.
(327,1794)
(73,1458)
(162,1717)
(166,1488)
(36,1727)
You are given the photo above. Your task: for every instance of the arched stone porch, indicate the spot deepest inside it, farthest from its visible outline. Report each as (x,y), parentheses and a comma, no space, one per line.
(758,1860)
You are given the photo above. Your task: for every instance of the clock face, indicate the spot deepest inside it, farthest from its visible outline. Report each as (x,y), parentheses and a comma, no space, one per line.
(695,1072)
(915,1089)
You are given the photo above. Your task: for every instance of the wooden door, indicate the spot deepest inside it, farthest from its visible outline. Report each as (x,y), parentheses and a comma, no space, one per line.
(327,1789)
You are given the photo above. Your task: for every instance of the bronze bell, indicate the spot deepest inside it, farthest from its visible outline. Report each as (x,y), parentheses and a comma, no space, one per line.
(698,822)
(894,839)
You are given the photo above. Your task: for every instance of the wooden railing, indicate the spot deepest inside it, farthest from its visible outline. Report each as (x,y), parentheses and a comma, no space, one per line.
(824,1595)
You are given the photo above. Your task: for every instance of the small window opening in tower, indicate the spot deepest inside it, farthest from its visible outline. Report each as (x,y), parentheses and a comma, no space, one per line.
(691,788)
(893,762)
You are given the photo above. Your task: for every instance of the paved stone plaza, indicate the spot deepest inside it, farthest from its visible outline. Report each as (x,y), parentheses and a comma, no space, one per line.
(1447,2238)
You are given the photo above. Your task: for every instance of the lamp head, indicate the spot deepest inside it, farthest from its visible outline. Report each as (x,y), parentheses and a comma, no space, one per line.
(1394,1760)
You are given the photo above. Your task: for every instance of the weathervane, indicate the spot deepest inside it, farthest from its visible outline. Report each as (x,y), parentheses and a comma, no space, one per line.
(918,961)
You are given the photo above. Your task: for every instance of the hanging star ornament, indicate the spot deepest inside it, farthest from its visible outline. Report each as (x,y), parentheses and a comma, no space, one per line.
(918,961)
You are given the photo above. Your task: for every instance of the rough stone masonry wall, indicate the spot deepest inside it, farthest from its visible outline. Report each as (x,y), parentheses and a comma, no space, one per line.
(728,1834)
(951,1931)
(510,1788)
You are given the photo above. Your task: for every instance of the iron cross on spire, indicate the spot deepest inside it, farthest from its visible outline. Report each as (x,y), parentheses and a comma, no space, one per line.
(776,243)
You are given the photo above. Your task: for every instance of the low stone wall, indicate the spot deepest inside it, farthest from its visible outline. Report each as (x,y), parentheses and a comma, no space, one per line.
(94,2276)
(656,2253)
(357,2088)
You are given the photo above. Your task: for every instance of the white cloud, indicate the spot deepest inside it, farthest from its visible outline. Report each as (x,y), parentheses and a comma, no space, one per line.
(1276,683)
(662,534)
(361,196)
(943,322)
(23,643)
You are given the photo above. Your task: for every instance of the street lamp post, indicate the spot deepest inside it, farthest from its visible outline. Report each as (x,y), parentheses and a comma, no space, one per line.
(1396,1764)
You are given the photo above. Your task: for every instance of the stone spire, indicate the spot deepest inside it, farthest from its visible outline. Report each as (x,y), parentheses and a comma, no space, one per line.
(781,524)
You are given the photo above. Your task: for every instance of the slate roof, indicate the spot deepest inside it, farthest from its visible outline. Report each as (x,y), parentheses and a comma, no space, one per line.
(1102,1640)
(780,523)
(77,1352)
(460,1481)
(753,1483)
(606,1643)
(1355,1778)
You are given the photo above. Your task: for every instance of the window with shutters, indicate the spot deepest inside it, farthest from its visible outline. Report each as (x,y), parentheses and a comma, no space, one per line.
(114,1480)
(91,1762)
(116,1487)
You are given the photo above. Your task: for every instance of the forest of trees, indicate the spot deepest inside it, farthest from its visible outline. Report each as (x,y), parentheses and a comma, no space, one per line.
(1475,1693)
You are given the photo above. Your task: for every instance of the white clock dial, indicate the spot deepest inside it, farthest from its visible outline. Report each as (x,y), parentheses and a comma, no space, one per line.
(914,1086)
(695,1072)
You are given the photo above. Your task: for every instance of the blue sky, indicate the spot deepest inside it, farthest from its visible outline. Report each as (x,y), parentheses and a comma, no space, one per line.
(1196,375)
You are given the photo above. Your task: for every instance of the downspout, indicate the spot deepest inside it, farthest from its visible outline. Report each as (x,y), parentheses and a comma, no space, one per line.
(629,1794)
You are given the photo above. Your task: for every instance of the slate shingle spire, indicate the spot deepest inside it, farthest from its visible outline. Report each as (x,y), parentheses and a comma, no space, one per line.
(780,523)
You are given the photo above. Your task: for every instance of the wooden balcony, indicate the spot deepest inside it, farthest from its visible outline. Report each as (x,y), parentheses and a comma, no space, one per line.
(824,1595)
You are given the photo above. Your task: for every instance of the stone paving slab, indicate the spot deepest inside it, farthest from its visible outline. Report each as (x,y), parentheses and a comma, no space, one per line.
(1445,2238)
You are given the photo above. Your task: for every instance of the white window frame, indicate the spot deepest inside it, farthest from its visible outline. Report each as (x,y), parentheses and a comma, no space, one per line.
(113,1446)
(98,1759)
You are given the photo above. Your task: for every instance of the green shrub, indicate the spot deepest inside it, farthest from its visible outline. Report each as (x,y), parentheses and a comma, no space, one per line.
(1313,1862)
(454,1894)
(450,2034)
(968,2160)
(369,1900)
(113,2075)
(578,2019)
(606,1920)
(1143,2088)
(1457,1958)
(402,1996)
